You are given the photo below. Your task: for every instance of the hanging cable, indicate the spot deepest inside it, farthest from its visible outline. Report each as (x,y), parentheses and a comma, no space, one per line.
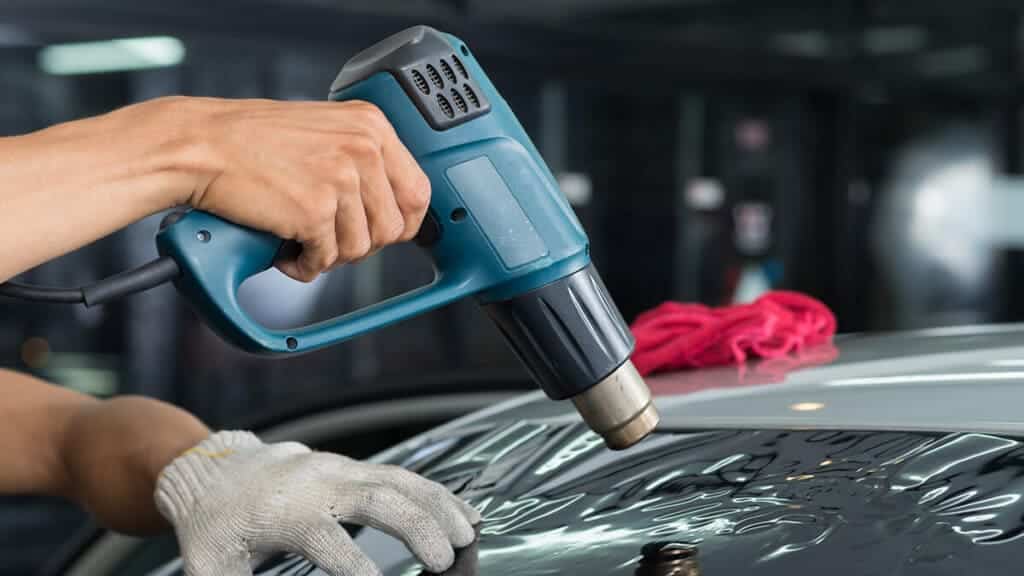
(132,281)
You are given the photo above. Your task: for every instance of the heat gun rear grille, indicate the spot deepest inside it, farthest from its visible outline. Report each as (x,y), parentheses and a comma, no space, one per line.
(420,82)
(446,106)
(471,95)
(460,102)
(459,66)
(439,77)
(448,73)
(434,76)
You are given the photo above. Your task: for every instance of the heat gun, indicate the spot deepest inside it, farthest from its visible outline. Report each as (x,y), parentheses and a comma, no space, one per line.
(498,229)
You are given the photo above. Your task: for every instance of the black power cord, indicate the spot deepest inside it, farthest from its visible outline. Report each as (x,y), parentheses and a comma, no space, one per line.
(132,281)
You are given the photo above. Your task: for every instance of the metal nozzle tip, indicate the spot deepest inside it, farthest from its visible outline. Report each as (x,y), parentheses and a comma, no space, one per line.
(619,408)
(633,431)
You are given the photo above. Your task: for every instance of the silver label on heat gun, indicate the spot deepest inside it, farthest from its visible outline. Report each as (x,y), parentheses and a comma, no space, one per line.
(497,211)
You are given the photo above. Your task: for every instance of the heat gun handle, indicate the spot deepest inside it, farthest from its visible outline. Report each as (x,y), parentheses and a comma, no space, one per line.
(217,256)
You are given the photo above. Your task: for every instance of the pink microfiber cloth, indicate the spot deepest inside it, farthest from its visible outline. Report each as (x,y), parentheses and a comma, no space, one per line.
(675,335)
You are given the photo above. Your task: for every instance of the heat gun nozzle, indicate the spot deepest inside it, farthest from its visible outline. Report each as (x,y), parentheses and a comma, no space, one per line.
(619,408)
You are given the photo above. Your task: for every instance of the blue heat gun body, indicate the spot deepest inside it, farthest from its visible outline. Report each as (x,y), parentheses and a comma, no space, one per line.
(498,224)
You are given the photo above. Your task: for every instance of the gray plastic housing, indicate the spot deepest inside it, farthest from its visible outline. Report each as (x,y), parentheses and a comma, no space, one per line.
(430,71)
(568,333)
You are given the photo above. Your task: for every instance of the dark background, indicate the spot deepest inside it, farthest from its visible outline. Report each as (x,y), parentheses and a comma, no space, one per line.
(724,146)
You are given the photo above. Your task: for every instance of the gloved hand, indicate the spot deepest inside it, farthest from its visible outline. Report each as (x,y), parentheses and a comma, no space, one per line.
(234,501)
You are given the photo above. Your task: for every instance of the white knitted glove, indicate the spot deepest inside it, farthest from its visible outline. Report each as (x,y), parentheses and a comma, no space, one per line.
(234,501)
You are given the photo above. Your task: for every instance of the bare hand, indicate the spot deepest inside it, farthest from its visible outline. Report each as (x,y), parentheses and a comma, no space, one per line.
(331,175)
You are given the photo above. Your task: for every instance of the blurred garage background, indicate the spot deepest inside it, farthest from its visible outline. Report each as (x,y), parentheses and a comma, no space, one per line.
(865,152)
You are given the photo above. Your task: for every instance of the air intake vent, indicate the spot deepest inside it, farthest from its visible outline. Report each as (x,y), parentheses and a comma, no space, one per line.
(446,106)
(459,66)
(434,76)
(448,73)
(471,95)
(420,82)
(439,79)
(460,102)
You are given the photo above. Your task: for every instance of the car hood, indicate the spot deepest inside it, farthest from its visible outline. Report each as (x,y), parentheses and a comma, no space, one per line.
(945,380)
(755,502)
(907,462)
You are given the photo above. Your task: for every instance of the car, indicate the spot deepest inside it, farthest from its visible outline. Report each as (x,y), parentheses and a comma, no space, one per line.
(877,454)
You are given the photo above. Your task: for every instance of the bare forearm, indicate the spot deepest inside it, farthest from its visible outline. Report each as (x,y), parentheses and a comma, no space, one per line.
(114,451)
(71,184)
(105,455)
(34,417)
(333,176)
